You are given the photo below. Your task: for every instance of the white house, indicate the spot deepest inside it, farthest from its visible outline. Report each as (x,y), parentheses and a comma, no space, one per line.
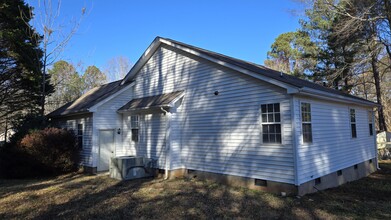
(201,113)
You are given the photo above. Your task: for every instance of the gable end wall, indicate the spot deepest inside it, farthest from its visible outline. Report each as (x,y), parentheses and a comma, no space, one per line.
(217,133)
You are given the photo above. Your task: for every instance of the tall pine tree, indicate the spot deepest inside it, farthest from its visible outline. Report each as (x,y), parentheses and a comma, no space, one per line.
(20,62)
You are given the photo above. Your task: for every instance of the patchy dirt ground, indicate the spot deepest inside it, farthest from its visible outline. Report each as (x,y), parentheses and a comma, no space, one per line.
(99,197)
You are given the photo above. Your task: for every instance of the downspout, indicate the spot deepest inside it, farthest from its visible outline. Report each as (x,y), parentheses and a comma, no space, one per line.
(165,146)
(375,138)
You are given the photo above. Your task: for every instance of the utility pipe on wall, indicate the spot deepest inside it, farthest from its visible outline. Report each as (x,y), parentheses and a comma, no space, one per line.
(165,146)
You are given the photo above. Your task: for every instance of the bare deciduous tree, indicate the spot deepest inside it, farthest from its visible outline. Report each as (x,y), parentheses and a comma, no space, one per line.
(56,36)
(117,68)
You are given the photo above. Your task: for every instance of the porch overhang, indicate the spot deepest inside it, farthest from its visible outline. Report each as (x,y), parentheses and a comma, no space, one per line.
(158,102)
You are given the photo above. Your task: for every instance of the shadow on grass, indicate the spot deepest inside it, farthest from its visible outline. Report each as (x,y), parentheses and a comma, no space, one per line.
(23,185)
(103,198)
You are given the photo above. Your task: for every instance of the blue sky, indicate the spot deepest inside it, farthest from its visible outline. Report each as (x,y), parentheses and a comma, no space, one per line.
(242,29)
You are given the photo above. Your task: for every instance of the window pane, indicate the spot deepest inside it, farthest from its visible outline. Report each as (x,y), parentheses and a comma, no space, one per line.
(278,129)
(264,117)
(272,138)
(271,129)
(265,138)
(277,107)
(307,133)
(135,135)
(303,107)
(307,138)
(134,121)
(354,132)
(263,107)
(80,129)
(270,117)
(277,117)
(270,107)
(278,138)
(370,129)
(352,115)
(265,129)
(306,112)
(306,117)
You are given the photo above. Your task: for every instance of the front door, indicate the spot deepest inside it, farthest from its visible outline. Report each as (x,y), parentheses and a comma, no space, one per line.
(106,149)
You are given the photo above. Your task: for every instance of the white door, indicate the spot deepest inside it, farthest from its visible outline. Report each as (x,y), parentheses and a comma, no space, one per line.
(106,149)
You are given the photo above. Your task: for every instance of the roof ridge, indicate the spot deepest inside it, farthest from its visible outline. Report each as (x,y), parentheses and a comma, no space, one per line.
(266,71)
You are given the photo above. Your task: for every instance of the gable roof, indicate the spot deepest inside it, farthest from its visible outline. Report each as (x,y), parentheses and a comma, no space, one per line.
(89,99)
(291,83)
(157,101)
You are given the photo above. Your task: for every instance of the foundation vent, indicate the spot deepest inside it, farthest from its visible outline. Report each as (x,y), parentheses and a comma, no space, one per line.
(339,173)
(318,181)
(259,182)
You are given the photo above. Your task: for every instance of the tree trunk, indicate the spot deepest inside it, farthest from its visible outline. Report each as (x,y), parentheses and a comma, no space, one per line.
(376,77)
(6,130)
(42,113)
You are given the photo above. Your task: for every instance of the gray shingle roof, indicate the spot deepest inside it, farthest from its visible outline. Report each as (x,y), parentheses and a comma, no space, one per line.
(156,101)
(262,70)
(89,99)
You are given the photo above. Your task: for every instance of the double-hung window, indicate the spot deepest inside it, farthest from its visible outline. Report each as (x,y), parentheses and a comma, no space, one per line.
(306,122)
(271,123)
(134,123)
(80,135)
(353,123)
(370,122)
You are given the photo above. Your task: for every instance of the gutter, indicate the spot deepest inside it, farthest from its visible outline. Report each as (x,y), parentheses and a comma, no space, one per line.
(85,112)
(335,97)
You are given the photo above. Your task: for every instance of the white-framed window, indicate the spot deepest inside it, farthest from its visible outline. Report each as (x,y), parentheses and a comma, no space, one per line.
(370,122)
(353,127)
(306,125)
(135,126)
(271,123)
(80,132)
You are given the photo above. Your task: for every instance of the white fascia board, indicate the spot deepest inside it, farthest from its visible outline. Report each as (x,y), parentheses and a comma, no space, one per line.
(172,103)
(142,60)
(335,97)
(95,107)
(290,89)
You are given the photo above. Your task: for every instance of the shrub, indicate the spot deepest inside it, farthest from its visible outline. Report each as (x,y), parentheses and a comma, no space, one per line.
(15,163)
(54,148)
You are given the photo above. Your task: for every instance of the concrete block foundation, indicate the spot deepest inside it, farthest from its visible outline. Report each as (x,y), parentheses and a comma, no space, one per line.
(340,177)
(331,180)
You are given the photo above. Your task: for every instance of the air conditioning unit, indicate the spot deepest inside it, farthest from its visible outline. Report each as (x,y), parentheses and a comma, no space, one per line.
(130,167)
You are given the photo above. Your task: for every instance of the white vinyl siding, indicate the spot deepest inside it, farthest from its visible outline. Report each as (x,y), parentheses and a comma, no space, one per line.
(217,133)
(72,124)
(107,118)
(332,148)
(152,139)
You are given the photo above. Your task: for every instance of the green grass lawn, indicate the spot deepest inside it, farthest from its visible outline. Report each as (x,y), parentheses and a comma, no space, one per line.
(99,197)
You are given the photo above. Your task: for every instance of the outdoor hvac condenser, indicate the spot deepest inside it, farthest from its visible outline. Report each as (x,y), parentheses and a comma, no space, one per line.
(130,167)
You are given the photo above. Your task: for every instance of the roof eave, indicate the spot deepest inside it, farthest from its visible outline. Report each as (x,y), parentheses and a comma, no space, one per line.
(95,107)
(145,108)
(290,88)
(143,59)
(158,41)
(69,114)
(335,97)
